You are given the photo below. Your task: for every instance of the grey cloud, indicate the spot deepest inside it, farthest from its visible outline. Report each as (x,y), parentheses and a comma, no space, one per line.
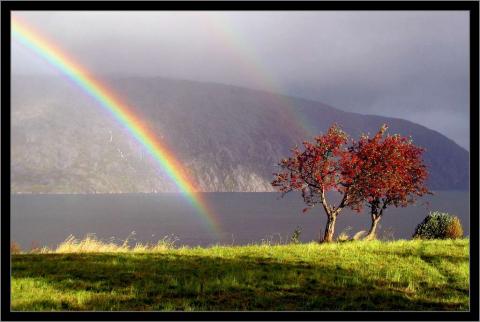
(412,65)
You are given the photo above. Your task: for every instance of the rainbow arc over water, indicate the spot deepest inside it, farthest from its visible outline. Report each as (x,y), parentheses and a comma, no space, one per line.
(108,100)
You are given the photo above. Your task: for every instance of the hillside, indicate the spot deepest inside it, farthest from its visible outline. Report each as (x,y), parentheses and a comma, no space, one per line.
(228,137)
(402,275)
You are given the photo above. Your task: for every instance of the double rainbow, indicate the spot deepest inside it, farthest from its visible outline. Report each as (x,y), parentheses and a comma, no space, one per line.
(235,41)
(120,111)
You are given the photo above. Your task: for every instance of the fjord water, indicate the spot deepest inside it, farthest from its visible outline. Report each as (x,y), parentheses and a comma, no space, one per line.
(243,217)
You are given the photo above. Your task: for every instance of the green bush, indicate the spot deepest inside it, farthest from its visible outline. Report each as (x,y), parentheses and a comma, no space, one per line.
(439,225)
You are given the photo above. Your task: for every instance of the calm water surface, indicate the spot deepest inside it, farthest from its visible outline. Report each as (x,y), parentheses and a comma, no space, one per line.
(242,217)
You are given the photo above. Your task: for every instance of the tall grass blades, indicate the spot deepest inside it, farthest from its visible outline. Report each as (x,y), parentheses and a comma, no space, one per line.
(92,244)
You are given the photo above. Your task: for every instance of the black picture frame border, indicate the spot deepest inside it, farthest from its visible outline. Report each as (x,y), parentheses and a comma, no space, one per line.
(7,6)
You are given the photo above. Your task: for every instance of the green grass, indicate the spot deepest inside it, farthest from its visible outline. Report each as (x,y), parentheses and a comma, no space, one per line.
(359,275)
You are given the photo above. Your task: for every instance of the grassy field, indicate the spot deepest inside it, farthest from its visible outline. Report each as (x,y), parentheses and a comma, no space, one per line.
(359,275)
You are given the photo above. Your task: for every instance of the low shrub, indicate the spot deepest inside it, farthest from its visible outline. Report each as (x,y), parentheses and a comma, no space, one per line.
(439,225)
(455,229)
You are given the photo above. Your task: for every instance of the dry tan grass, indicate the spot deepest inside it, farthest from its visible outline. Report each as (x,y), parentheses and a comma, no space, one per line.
(15,248)
(92,244)
(454,229)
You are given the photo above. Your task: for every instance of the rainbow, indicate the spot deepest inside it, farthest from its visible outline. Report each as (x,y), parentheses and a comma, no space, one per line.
(22,33)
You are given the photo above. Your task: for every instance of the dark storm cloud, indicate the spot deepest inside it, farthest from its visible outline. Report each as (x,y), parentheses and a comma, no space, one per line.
(412,65)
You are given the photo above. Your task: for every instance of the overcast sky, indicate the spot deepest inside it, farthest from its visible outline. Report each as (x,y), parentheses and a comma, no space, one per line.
(411,65)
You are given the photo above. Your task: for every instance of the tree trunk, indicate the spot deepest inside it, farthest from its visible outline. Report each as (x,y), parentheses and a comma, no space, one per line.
(373,228)
(329,229)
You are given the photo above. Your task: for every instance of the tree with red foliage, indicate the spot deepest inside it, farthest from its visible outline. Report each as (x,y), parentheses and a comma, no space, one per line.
(319,169)
(389,171)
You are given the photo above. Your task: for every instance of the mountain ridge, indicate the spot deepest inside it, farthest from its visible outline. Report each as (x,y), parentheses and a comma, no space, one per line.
(228,137)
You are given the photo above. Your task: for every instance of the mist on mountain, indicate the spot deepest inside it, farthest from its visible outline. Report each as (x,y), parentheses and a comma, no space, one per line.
(228,138)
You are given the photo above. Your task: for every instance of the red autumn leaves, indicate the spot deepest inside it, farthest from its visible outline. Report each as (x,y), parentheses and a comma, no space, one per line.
(378,172)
